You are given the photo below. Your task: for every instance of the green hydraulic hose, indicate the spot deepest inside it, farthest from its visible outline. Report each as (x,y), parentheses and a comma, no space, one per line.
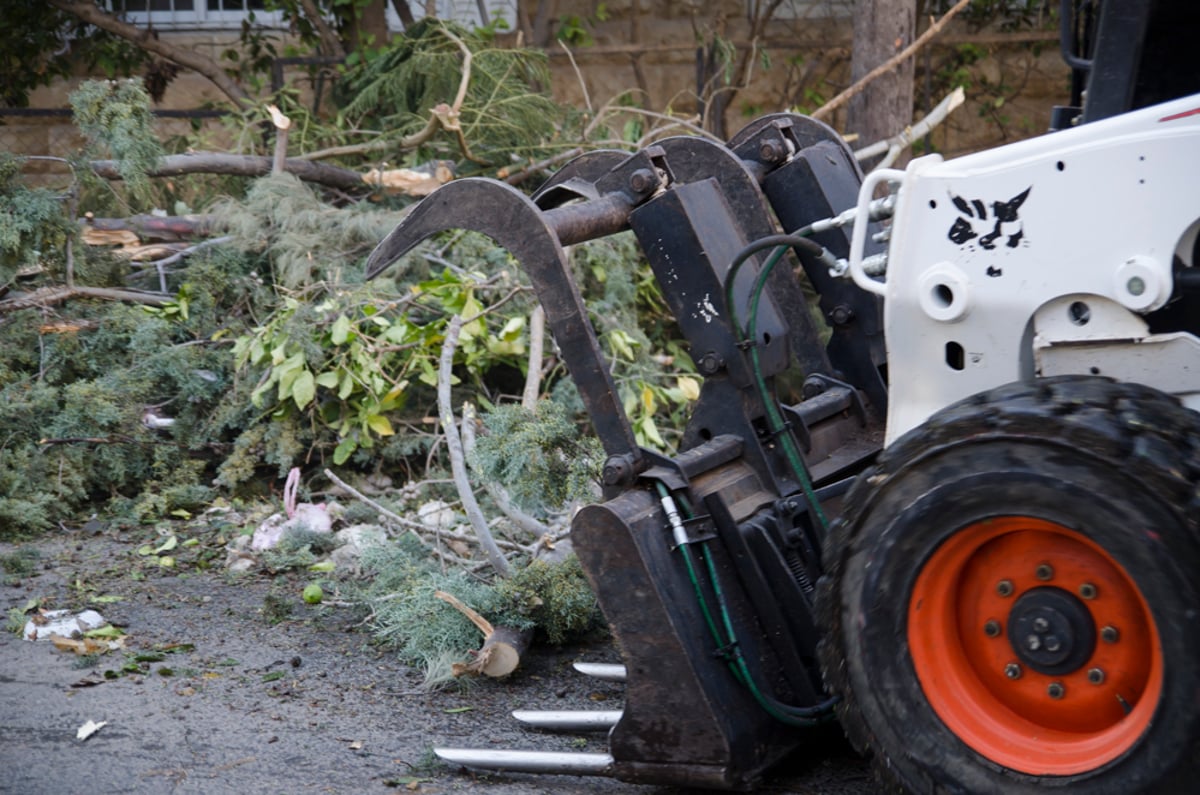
(803,717)
(775,419)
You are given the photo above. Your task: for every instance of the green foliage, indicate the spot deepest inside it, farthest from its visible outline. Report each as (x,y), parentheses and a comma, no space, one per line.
(539,457)
(553,598)
(115,116)
(34,51)
(33,224)
(302,238)
(504,111)
(556,597)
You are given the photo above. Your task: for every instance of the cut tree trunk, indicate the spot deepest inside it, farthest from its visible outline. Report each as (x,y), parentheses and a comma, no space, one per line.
(502,647)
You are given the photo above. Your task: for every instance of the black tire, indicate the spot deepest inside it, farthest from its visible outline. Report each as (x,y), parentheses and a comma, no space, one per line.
(1104,468)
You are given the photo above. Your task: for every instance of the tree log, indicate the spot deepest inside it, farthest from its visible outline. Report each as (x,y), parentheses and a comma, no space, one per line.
(243,166)
(502,647)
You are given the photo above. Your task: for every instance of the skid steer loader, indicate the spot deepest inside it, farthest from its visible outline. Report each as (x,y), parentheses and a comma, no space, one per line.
(975,538)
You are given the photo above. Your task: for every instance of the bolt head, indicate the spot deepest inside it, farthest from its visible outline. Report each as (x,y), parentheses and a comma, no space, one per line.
(1044,572)
(1012,671)
(1033,642)
(1110,634)
(1040,625)
(1053,643)
(1095,676)
(991,628)
(1056,690)
(1087,590)
(1004,588)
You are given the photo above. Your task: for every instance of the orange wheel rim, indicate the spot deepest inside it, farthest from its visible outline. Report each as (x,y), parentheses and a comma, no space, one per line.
(990,616)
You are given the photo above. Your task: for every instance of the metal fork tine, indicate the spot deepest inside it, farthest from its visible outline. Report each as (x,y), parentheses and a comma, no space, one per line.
(576,764)
(611,672)
(569,720)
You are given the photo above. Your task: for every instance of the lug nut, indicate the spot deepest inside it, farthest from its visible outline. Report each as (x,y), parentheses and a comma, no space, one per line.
(1053,643)
(1095,676)
(1012,671)
(1110,634)
(1087,591)
(1004,587)
(1055,690)
(1040,625)
(1033,642)
(991,629)
(1044,572)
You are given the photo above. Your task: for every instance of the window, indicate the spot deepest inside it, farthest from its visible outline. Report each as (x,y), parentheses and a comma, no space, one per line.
(229,14)
(195,14)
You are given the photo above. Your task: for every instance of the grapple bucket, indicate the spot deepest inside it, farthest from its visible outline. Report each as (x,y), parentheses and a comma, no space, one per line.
(703,563)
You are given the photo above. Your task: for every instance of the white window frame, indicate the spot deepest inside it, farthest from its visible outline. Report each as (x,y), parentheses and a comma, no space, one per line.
(199,17)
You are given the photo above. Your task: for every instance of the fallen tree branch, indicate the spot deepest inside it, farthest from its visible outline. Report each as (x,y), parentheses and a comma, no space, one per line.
(454,448)
(51,296)
(854,90)
(242,166)
(902,140)
(153,227)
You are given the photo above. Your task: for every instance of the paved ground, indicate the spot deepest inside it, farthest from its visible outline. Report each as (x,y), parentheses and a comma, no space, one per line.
(218,691)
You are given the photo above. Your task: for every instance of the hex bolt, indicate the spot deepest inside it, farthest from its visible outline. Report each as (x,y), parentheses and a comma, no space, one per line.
(1053,643)
(1012,671)
(1056,690)
(1033,642)
(770,151)
(1110,634)
(1095,676)
(1087,591)
(1004,588)
(991,628)
(1044,572)
(841,315)
(1040,625)
(641,180)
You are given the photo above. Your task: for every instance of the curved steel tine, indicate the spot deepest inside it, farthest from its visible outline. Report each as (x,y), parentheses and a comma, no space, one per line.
(577,178)
(510,218)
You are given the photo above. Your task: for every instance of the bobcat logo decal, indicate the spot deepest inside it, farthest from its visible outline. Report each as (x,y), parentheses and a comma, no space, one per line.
(1003,221)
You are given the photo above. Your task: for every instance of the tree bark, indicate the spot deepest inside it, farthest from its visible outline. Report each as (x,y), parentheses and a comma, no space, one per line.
(243,166)
(882,28)
(330,42)
(89,12)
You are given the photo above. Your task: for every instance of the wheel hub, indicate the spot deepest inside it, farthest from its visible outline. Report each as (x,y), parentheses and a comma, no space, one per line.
(1051,631)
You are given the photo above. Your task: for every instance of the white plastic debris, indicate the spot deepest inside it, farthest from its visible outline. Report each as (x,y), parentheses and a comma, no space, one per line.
(303,516)
(63,623)
(88,729)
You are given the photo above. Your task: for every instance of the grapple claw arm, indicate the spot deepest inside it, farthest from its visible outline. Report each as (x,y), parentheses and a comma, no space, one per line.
(508,217)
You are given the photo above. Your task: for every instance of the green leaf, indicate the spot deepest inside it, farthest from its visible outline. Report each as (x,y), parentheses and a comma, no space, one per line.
(344,450)
(328,379)
(456,710)
(304,389)
(380,424)
(347,386)
(106,631)
(167,545)
(340,331)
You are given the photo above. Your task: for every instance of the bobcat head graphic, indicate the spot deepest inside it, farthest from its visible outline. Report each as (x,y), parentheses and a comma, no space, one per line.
(1003,221)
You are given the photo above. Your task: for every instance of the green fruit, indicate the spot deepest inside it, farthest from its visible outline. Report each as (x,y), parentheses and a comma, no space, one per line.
(313,594)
